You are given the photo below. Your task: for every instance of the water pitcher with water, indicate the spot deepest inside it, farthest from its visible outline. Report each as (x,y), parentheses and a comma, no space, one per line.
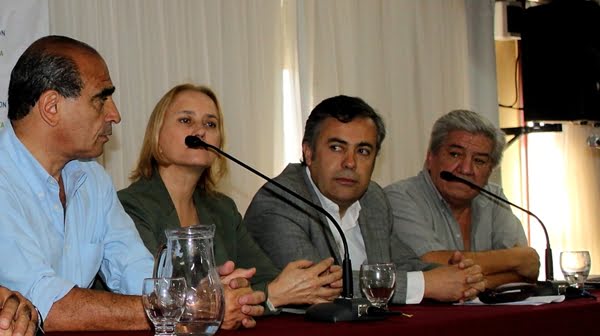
(189,254)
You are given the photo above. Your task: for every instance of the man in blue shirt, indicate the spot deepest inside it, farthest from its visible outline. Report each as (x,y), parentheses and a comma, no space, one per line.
(62,222)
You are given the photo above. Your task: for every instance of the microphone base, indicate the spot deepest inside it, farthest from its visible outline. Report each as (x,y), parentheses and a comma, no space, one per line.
(560,287)
(550,287)
(342,309)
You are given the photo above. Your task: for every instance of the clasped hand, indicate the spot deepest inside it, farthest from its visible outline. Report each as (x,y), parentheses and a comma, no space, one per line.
(303,282)
(242,303)
(459,281)
(18,317)
(474,280)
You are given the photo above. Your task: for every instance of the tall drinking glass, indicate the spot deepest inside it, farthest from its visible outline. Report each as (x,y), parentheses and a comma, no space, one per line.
(378,282)
(164,302)
(575,266)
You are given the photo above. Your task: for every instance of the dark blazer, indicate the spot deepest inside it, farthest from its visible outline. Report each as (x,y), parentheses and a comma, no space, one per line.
(287,229)
(149,204)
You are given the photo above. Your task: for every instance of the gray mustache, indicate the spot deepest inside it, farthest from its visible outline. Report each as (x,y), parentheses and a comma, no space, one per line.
(107,130)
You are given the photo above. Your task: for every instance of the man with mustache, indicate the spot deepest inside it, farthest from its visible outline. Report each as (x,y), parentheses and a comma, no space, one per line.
(436,217)
(342,138)
(62,222)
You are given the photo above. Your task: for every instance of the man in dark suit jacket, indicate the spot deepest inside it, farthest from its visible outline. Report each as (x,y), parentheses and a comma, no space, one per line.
(342,138)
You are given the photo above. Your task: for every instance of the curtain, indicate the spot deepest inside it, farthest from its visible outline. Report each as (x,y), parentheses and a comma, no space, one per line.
(563,174)
(411,60)
(271,61)
(235,47)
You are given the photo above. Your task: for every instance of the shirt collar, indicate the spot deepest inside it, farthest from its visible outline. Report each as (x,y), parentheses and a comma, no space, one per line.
(427,177)
(333,209)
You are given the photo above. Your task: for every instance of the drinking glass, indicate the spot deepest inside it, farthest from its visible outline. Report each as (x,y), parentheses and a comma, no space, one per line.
(378,282)
(575,266)
(164,302)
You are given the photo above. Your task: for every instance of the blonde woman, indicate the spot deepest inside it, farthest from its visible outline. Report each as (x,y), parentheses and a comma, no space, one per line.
(174,186)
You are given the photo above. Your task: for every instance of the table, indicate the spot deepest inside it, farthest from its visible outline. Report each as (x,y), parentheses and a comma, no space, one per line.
(431,319)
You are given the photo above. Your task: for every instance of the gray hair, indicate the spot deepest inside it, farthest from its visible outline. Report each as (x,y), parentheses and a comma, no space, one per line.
(469,121)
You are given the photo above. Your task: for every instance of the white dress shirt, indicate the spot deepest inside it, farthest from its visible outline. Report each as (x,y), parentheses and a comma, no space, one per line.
(415,282)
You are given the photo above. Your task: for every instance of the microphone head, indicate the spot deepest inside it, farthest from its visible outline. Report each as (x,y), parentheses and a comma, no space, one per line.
(448,176)
(195,142)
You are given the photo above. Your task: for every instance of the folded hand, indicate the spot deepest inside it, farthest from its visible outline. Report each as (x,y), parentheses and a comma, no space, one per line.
(18,316)
(303,282)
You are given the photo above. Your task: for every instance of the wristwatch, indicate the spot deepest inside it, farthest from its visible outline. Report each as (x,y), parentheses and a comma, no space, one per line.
(40,324)
(271,307)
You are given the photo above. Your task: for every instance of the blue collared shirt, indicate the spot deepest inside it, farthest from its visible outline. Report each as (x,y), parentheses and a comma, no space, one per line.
(46,250)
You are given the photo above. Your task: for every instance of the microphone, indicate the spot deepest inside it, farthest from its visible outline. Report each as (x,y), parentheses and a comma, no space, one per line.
(346,308)
(448,176)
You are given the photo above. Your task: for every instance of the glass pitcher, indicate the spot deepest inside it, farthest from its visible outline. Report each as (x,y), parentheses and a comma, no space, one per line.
(189,254)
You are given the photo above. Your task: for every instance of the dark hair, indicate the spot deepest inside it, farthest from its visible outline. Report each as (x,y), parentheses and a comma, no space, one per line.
(344,109)
(47,64)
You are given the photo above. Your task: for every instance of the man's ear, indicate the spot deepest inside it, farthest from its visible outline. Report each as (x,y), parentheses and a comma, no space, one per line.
(47,107)
(428,159)
(307,154)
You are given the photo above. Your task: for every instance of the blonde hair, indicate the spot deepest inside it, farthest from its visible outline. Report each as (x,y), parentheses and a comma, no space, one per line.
(150,156)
